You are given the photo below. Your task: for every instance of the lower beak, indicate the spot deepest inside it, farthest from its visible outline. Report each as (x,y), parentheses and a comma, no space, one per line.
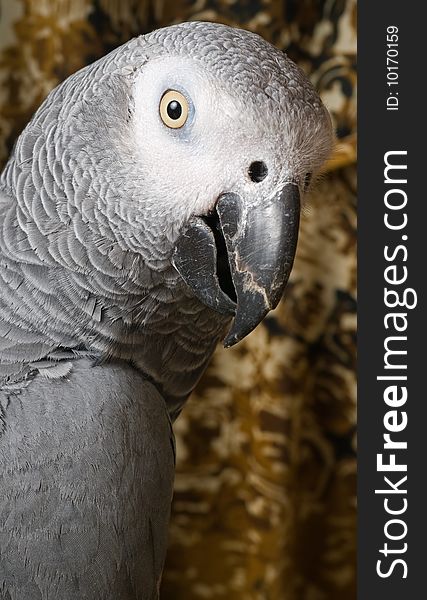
(238,260)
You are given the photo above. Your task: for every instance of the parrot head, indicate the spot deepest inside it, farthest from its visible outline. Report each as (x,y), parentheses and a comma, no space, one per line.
(186,151)
(230,132)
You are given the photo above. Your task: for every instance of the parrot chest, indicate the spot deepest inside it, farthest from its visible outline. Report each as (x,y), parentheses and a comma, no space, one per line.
(86,484)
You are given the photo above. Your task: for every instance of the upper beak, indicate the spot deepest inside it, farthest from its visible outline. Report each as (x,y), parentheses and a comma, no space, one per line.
(238,260)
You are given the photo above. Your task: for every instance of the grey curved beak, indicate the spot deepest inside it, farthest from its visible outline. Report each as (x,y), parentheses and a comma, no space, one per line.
(239,261)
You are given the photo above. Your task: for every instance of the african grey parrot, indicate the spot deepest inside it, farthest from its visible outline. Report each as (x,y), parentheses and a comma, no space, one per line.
(149,210)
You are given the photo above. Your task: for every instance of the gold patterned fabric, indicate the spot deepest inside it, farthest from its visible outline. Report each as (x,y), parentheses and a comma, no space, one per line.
(264,505)
(265,493)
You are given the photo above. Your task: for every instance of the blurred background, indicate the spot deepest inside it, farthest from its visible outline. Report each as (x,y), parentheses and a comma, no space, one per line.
(264,505)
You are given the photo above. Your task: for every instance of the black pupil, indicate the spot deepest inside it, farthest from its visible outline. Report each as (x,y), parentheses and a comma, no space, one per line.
(174,110)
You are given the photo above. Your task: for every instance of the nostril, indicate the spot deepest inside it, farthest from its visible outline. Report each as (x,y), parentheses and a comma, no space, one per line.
(258,171)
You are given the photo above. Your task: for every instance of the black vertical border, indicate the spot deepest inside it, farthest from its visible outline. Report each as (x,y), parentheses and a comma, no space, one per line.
(380,131)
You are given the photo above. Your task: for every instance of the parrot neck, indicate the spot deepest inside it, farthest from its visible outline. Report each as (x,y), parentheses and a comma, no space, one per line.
(68,286)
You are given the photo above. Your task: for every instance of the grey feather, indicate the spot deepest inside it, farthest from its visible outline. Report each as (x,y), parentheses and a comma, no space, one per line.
(85,501)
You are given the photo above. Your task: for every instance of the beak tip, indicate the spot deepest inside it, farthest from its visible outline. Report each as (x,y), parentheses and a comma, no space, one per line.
(229,341)
(232,337)
(253,308)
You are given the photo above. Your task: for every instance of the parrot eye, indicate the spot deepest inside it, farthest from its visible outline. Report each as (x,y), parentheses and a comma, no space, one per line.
(173,109)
